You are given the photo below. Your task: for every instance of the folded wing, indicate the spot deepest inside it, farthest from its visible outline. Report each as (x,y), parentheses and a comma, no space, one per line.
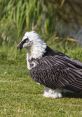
(58,72)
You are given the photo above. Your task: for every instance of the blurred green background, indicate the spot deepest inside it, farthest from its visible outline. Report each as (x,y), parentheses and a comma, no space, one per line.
(50,18)
(57,21)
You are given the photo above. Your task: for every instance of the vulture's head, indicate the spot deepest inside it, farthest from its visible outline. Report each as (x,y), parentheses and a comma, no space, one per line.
(33,43)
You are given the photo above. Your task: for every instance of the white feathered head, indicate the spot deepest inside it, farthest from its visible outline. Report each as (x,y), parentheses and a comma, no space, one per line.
(33,42)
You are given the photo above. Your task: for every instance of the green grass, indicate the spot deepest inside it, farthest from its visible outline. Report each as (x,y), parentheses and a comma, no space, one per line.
(20,96)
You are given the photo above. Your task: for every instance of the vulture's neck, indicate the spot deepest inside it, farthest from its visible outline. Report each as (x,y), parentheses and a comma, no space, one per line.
(37,50)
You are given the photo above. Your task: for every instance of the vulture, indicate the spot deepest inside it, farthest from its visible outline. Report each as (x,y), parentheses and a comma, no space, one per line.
(56,71)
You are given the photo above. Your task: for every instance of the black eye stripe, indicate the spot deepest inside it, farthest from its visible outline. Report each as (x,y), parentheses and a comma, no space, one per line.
(24,41)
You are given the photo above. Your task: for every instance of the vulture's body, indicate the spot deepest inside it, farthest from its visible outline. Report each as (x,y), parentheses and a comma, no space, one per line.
(56,70)
(53,69)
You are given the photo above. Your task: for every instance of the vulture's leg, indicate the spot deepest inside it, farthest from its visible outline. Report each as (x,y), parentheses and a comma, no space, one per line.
(57,93)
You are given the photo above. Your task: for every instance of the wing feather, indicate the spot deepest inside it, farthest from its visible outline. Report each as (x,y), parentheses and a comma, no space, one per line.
(58,72)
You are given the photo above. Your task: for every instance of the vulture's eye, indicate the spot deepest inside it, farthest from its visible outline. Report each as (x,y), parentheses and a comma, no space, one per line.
(25,41)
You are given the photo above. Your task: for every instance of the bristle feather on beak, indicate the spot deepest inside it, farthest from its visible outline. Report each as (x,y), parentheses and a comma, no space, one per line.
(20,46)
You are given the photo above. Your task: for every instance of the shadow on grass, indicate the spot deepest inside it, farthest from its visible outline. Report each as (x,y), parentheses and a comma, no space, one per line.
(72,95)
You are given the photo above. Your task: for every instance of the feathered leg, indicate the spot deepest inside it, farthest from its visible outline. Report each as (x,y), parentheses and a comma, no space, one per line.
(57,93)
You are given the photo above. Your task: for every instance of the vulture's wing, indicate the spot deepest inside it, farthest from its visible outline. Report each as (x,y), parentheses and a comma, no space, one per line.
(58,72)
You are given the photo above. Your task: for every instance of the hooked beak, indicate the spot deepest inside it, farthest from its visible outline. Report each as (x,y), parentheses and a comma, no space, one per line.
(20,46)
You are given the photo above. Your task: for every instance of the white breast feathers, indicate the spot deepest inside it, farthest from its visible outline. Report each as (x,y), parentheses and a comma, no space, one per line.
(30,63)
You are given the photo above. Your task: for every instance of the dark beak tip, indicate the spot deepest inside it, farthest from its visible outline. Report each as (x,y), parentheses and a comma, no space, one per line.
(19,47)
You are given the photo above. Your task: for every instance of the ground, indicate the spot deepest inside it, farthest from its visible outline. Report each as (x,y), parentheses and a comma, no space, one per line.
(20,96)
